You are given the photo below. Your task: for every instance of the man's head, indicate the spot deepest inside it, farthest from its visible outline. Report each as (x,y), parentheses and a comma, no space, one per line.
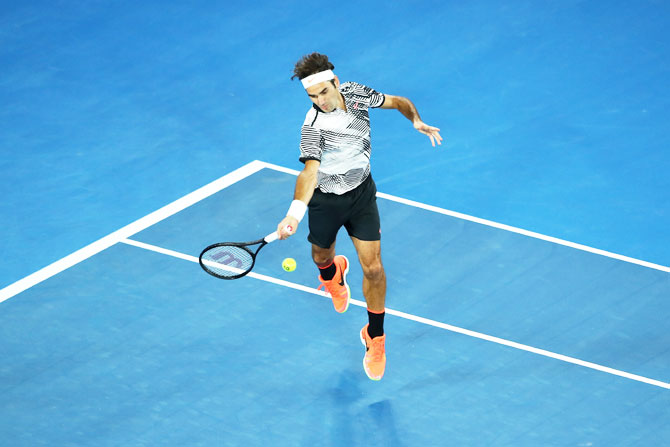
(314,71)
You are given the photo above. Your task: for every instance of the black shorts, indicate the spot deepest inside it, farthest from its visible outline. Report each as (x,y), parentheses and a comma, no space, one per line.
(356,210)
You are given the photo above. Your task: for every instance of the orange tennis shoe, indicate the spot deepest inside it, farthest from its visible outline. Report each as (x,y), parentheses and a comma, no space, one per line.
(374,361)
(337,287)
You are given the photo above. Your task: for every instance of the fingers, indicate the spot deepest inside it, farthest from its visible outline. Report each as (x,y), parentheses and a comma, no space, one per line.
(437,137)
(432,132)
(287,227)
(283,232)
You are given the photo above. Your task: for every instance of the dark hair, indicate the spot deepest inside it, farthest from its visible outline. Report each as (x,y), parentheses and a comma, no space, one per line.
(310,64)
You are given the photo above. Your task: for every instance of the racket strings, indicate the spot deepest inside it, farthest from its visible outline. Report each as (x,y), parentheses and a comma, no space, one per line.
(228,260)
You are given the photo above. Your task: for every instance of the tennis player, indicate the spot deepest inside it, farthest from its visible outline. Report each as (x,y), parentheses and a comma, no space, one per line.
(337,189)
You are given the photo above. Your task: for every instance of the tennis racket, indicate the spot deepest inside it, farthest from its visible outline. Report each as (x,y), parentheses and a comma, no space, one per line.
(233,260)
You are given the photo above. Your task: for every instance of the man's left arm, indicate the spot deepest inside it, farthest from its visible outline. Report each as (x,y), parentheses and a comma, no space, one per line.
(407,108)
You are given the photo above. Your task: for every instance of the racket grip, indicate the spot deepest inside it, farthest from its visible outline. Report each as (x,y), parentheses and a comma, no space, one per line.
(274,235)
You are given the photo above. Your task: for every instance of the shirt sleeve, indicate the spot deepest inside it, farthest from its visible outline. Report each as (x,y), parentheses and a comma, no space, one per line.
(376,99)
(371,97)
(311,146)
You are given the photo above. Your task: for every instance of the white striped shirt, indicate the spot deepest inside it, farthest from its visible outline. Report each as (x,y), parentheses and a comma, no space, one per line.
(341,140)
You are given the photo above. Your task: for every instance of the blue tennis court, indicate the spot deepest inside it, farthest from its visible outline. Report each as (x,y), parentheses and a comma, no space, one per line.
(527,257)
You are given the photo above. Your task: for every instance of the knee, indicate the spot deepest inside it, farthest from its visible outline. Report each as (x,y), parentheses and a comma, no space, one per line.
(322,256)
(374,271)
(322,260)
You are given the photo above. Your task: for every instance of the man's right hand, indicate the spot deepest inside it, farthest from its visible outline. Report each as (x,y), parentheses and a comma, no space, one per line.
(287,227)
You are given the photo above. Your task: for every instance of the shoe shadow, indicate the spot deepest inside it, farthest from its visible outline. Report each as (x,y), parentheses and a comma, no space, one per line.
(344,418)
(382,424)
(343,398)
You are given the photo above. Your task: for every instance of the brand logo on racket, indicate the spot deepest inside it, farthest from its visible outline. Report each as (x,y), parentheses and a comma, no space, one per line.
(228,259)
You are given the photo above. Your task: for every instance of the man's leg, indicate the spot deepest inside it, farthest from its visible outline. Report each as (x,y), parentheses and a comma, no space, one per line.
(323,257)
(333,275)
(374,278)
(374,290)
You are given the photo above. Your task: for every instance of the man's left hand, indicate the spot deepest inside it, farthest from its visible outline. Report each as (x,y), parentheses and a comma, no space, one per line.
(432,132)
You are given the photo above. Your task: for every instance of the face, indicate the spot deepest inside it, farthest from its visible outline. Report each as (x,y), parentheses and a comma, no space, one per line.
(325,95)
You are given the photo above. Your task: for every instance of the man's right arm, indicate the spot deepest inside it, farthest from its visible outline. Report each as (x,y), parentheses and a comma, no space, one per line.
(304,190)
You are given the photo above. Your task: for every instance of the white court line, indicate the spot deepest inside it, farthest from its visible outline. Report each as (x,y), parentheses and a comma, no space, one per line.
(124,233)
(437,324)
(500,226)
(233,177)
(129,230)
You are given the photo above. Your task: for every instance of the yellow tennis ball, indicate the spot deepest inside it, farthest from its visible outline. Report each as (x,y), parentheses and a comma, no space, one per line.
(288,264)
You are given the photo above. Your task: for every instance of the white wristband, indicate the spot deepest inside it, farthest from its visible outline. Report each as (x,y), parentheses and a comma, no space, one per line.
(297,209)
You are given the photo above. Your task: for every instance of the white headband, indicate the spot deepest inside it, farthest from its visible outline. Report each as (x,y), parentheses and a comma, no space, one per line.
(317,78)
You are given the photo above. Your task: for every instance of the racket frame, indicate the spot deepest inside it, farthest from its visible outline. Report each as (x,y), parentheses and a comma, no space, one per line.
(243,245)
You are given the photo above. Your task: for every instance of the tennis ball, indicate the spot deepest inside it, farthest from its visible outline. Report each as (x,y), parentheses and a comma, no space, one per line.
(288,264)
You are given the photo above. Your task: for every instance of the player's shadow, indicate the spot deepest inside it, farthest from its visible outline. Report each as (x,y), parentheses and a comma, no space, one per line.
(345,418)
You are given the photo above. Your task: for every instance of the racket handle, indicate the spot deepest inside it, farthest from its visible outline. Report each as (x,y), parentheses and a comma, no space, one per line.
(274,235)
